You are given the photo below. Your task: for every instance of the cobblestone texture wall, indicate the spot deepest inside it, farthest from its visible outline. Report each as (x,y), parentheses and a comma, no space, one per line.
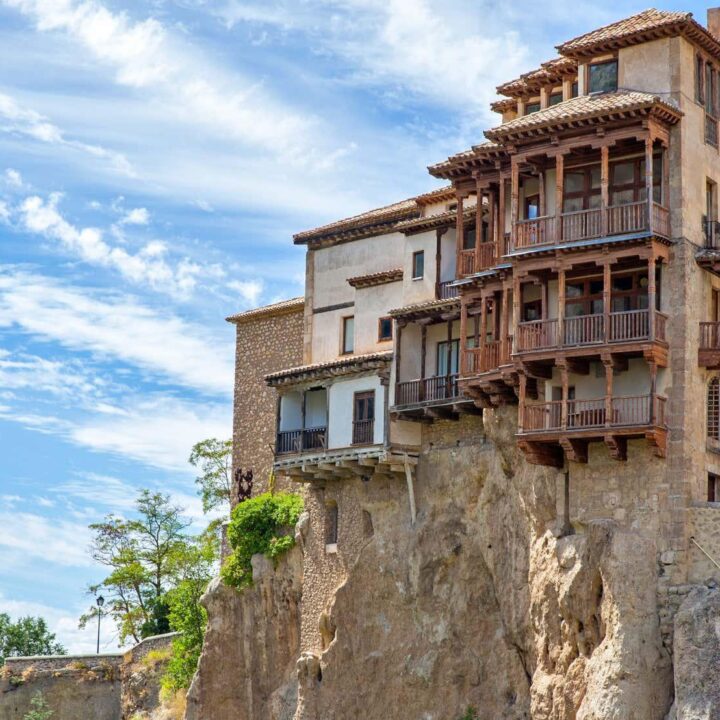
(264,344)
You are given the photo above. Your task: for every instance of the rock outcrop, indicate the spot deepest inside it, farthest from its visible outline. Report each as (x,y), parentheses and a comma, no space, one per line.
(252,643)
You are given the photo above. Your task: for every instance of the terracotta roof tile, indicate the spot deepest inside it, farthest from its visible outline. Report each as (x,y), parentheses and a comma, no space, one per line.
(339,364)
(278,308)
(426,305)
(378,278)
(444,193)
(548,72)
(585,107)
(625,31)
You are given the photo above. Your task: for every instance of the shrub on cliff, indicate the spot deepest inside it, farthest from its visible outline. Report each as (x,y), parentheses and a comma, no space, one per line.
(40,709)
(261,525)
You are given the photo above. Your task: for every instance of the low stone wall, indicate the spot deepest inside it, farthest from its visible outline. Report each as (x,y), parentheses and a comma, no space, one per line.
(102,687)
(705,529)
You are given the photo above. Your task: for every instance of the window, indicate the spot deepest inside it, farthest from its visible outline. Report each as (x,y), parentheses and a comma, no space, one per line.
(363,418)
(331,523)
(629,292)
(348,335)
(582,189)
(555,99)
(583,297)
(699,80)
(603,77)
(710,97)
(532,207)
(418,264)
(442,358)
(713,409)
(532,107)
(385,329)
(627,181)
(710,200)
(575,89)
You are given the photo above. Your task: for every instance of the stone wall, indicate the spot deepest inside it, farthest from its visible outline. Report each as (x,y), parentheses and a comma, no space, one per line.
(116,686)
(267,340)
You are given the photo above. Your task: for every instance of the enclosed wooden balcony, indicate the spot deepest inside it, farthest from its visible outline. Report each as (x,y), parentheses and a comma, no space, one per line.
(431,398)
(709,350)
(546,429)
(299,441)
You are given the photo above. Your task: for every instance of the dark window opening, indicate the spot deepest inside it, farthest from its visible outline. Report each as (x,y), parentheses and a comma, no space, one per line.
(582,189)
(603,77)
(713,487)
(699,80)
(418,264)
(469,238)
(532,107)
(385,329)
(555,99)
(713,410)
(363,418)
(575,89)
(331,523)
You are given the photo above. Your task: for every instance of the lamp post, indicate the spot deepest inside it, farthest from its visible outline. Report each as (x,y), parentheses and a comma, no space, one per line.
(100,600)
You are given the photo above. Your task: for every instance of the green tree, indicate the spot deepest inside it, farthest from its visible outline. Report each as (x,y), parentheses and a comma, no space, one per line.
(26,636)
(213,458)
(40,709)
(187,616)
(142,554)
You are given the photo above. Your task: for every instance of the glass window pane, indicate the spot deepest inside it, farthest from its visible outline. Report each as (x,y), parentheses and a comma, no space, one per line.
(595,200)
(574,290)
(622,284)
(556,99)
(596,287)
(595,176)
(602,77)
(573,204)
(597,307)
(574,309)
(574,181)
(623,173)
(622,198)
(418,264)
(532,108)
(469,238)
(348,334)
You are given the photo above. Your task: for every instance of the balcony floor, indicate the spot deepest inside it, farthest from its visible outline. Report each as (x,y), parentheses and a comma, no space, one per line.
(430,410)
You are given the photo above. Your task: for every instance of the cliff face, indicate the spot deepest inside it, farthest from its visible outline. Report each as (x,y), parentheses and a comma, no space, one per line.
(481,603)
(252,642)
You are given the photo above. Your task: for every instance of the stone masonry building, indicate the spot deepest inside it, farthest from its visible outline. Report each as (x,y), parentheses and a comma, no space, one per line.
(503,411)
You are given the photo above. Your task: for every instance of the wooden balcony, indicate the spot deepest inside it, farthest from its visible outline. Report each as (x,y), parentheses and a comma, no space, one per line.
(489,375)
(628,219)
(476,259)
(431,398)
(363,432)
(547,427)
(590,331)
(709,350)
(299,441)
(445,290)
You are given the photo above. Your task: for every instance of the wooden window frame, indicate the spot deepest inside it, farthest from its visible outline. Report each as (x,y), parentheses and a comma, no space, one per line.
(555,95)
(416,254)
(536,104)
(587,298)
(343,334)
(609,61)
(381,337)
(588,190)
(638,184)
(699,80)
(713,409)
(357,397)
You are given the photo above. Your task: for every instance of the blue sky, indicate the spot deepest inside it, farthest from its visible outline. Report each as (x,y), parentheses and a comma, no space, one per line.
(155,159)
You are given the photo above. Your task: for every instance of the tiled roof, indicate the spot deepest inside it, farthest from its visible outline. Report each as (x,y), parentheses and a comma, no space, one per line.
(444,193)
(549,72)
(434,221)
(637,28)
(503,105)
(583,108)
(485,151)
(379,216)
(340,366)
(378,278)
(279,308)
(425,306)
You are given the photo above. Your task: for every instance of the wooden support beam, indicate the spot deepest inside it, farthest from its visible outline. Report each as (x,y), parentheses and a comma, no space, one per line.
(652,302)
(462,342)
(607,296)
(617,446)
(576,450)
(500,240)
(459,233)
(559,180)
(604,188)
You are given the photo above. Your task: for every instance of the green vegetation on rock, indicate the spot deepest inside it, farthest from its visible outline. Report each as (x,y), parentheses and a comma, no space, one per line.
(261,525)
(40,709)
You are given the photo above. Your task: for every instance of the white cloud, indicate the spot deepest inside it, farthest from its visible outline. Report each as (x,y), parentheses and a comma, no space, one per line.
(4,212)
(136,216)
(249,290)
(21,120)
(146,57)
(119,328)
(147,266)
(13,178)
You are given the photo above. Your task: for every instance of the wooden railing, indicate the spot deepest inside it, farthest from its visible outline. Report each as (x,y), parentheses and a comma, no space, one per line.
(363,432)
(538,231)
(494,354)
(584,330)
(537,335)
(628,218)
(467,263)
(297,441)
(628,411)
(710,335)
(630,325)
(712,234)
(581,225)
(589,224)
(412,392)
(445,291)
(660,326)
(485,256)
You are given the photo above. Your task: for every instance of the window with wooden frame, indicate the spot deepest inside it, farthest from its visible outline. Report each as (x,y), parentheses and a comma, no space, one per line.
(348,335)
(418,265)
(581,188)
(710,90)
(441,360)
(629,291)
(532,107)
(699,80)
(627,181)
(713,410)
(710,200)
(363,417)
(602,77)
(385,329)
(584,297)
(575,90)
(532,207)
(469,237)
(555,99)
(715,305)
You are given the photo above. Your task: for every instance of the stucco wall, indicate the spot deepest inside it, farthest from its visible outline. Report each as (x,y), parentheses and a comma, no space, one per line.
(340,400)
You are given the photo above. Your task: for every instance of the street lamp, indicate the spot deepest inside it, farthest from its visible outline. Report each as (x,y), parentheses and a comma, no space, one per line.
(100,600)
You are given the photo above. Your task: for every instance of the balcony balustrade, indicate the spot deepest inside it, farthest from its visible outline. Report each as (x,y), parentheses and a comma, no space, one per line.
(709,349)
(363,432)
(432,389)
(591,224)
(712,234)
(626,326)
(446,291)
(487,358)
(297,441)
(466,261)
(559,416)
(711,130)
